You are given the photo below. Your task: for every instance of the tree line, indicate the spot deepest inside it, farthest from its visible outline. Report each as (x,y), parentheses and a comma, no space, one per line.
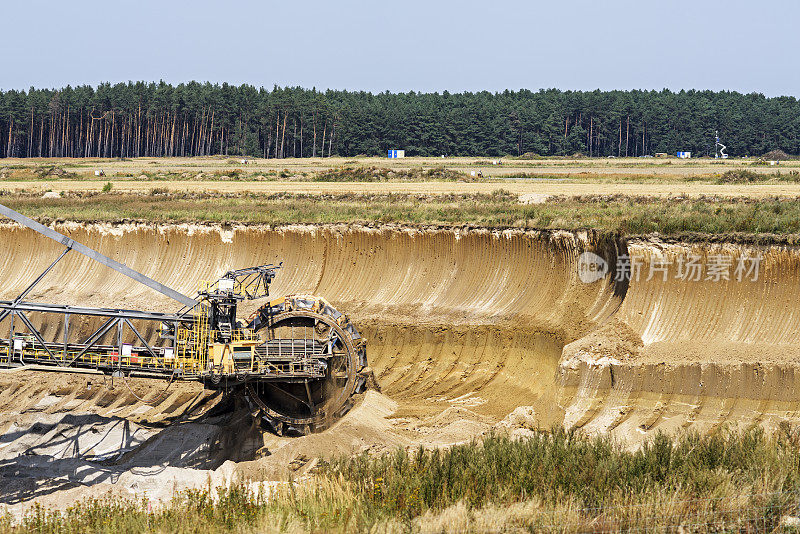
(158,119)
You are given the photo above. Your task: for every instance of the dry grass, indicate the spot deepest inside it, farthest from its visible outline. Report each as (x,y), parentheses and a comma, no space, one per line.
(500,209)
(553,481)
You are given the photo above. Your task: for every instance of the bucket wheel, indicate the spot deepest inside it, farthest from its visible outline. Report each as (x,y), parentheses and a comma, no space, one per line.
(310,405)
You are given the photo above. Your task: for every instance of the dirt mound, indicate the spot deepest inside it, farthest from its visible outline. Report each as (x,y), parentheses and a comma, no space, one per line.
(776,155)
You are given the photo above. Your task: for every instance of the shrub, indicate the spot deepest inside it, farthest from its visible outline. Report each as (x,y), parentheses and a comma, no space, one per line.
(791,176)
(741,176)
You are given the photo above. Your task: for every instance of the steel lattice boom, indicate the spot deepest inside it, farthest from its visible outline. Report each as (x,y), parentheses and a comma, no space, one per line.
(297,357)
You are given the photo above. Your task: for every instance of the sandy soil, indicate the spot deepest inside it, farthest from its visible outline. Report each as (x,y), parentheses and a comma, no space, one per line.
(529,190)
(467,331)
(65,437)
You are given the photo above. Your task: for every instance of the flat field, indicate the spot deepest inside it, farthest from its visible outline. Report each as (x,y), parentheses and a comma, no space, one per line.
(581,169)
(532,180)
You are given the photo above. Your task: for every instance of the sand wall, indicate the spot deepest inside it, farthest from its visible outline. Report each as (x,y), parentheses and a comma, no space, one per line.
(454,277)
(487,320)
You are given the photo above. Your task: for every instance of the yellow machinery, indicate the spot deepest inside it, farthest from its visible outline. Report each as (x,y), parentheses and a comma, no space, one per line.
(298,360)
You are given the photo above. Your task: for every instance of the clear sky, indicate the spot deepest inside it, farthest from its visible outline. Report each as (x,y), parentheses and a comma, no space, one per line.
(410,45)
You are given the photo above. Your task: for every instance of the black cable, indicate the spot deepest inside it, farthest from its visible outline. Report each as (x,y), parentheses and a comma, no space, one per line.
(158,398)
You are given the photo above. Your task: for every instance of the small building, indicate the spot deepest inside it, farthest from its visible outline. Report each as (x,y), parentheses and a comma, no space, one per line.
(684,155)
(397,153)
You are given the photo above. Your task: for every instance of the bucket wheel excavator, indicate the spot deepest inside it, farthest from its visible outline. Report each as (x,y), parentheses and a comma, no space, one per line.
(297,359)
